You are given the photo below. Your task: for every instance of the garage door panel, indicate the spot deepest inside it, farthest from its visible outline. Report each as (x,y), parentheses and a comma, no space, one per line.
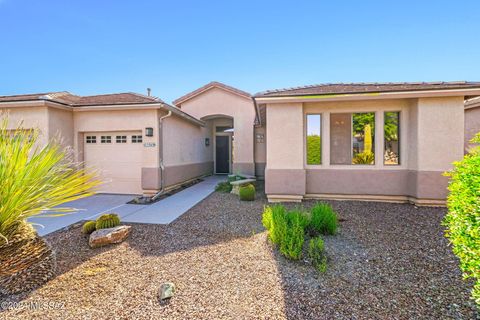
(119,164)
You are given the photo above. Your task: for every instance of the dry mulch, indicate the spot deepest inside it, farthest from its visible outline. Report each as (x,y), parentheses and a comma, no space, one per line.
(389,261)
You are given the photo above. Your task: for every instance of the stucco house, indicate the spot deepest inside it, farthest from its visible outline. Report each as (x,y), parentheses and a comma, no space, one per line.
(472,120)
(372,141)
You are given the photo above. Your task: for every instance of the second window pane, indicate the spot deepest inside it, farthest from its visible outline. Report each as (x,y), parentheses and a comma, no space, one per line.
(363,138)
(314,140)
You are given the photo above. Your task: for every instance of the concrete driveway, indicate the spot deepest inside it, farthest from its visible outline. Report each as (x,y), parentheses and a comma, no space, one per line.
(161,212)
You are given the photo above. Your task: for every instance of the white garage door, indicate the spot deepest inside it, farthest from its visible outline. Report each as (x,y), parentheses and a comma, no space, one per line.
(118,158)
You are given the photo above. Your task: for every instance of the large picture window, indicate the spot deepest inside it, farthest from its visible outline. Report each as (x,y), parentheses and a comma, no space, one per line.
(352,138)
(391,128)
(314,139)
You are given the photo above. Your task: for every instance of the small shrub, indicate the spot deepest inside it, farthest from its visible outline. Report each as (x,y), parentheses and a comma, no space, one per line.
(247,193)
(316,252)
(364,158)
(293,238)
(463,218)
(275,222)
(323,220)
(109,220)
(224,186)
(88,227)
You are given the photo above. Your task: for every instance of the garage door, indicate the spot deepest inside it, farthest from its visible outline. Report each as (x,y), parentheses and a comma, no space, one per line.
(118,158)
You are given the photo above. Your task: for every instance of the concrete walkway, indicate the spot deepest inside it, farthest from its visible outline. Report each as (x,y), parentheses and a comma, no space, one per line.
(161,212)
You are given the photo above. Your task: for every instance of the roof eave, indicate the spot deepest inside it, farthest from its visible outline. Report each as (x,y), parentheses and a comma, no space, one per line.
(368,95)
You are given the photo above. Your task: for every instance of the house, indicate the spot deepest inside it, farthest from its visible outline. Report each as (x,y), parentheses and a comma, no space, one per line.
(472,120)
(375,141)
(370,141)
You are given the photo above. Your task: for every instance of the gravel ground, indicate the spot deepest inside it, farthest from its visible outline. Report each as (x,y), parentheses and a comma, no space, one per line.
(389,261)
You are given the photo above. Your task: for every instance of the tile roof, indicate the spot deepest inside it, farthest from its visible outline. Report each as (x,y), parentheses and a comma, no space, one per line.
(374,87)
(67,98)
(208,86)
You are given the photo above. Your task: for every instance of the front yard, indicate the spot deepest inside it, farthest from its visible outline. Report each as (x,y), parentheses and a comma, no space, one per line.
(387,261)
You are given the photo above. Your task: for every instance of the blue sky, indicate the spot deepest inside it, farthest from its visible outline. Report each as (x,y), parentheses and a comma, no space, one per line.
(94,47)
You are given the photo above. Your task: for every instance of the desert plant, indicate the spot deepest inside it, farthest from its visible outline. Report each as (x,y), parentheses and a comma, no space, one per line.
(364,158)
(247,192)
(323,220)
(223,186)
(35,179)
(275,222)
(367,140)
(88,227)
(105,221)
(314,149)
(463,218)
(316,252)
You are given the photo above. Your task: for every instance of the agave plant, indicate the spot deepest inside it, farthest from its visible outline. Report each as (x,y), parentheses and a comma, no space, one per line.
(35,179)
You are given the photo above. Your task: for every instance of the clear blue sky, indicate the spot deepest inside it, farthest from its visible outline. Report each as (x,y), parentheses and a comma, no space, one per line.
(94,47)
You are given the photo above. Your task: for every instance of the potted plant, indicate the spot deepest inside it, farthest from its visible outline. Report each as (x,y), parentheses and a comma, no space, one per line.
(34,180)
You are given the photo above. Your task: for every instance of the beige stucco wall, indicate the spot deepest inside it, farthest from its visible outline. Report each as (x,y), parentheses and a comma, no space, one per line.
(260,151)
(29,117)
(472,125)
(60,125)
(431,139)
(220,102)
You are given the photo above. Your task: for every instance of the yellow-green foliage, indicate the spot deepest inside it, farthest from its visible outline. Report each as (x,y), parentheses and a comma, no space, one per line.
(367,140)
(323,220)
(247,193)
(286,229)
(364,158)
(88,227)
(109,220)
(463,218)
(316,252)
(314,149)
(35,178)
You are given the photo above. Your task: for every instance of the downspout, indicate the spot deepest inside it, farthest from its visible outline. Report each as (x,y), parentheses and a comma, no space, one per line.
(161,164)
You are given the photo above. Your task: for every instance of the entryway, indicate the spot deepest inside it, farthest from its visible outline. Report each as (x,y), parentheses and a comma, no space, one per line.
(222,154)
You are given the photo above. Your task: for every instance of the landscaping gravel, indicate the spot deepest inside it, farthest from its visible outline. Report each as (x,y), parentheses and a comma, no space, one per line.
(388,261)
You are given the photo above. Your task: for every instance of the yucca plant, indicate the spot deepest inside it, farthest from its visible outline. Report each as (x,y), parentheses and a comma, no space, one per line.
(35,179)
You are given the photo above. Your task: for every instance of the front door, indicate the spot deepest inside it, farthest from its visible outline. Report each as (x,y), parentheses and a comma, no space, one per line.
(222,158)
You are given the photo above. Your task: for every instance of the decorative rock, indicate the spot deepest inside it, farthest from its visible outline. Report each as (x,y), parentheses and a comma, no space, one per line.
(108,236)
(166,291)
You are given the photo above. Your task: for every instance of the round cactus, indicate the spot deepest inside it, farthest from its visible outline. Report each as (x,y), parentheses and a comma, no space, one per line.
(88,227)
(247,193)
(109,220)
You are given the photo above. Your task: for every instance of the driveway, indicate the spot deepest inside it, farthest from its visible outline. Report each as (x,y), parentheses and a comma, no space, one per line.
(161,212)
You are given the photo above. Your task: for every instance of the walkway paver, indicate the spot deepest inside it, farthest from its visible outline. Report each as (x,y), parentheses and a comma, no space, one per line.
(161,212)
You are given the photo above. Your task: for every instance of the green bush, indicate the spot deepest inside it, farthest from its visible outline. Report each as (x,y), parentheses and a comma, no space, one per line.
(224,186)
(106,221)
(463,218)
(314,149)
(364,158)
(247,192)
(88,227)
(285,229)
(316,252)
(323,220)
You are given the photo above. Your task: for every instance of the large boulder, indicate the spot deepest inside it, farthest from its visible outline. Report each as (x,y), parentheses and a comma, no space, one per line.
(108,236)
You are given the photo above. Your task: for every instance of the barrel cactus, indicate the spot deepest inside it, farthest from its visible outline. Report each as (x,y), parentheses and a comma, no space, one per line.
(109,220)
(247,193)
(89,227)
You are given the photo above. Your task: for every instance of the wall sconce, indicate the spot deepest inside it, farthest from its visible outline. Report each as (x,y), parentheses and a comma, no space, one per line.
(149,132)
(207,142)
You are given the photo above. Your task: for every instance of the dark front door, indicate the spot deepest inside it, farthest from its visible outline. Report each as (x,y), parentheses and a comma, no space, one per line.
(222,154)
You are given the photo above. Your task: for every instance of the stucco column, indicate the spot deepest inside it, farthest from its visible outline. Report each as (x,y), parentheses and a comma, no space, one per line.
(438,128)
(285,172)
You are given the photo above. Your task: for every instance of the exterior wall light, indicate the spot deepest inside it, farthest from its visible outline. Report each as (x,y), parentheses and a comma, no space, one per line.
(149,132)
(207,142)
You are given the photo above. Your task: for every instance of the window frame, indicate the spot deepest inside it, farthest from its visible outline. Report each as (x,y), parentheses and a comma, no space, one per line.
(135,138)
(306,137)
(92,140)
(105,139)
(400,151)
(121,139)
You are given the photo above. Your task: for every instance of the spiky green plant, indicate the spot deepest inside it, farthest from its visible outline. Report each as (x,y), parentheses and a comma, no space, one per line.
(88,227)
(109,220)
(367,142)
(35,178)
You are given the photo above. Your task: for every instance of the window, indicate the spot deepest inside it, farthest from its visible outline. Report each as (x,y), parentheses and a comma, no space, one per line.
(260,138)
(223,129)
(91,139)
(106,139)
(137,139)
(352,138)
(314,139)
(391,129)
(121,139)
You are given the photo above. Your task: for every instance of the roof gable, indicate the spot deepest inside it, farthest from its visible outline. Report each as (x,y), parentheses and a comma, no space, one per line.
(211,85)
